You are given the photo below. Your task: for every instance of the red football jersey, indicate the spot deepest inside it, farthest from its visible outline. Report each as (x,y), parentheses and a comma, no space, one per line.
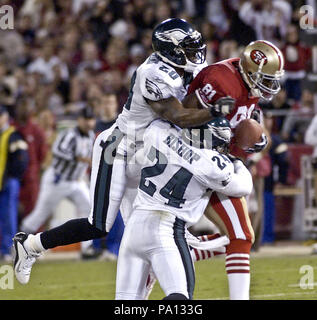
(224,79)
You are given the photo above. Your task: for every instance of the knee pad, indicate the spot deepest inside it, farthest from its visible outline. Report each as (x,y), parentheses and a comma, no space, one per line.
(175,296)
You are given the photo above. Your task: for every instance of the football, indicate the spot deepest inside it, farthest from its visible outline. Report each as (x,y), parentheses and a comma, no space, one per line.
(247,133)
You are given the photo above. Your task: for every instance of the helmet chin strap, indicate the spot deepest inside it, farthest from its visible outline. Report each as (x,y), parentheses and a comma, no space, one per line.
(169,61)
(190,66)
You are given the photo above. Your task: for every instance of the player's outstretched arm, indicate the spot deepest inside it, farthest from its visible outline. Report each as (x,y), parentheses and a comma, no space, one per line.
(171,109)
(174,111)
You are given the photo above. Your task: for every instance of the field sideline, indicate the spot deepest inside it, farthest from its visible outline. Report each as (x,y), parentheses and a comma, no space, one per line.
(273,277)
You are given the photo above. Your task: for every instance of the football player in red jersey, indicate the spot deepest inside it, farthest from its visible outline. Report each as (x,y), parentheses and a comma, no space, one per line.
(247,79)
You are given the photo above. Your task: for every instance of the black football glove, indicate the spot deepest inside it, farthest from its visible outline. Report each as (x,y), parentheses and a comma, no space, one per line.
(222,106)
(258,147)
(256,115)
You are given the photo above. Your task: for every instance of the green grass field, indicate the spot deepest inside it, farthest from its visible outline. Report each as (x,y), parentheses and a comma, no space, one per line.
(274,278)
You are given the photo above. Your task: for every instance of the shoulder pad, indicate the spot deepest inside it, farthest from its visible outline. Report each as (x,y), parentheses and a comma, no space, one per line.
(158,81)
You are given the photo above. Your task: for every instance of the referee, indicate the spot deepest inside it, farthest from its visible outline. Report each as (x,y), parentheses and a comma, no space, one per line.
(72,152)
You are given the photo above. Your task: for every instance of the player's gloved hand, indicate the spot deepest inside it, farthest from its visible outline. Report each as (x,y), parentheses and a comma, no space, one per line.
(258,147)
(222,106)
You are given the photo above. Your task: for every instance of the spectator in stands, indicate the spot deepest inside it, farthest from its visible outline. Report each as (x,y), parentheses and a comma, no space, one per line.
(228,49)
(137,55)
(26,28)
(113,82)
(48,65)
(90,56)
(298,119)
(277,178)
(12,46)
(216,15)
(311,135)
(6,92)
(46,121)
(116,55)
(297,61)
(106,112)
(268,18)
(146,41)
(37,148)
(163,10)
(279,108)
(13,162)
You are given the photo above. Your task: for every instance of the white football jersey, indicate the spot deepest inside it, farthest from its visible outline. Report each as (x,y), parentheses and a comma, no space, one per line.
(154,80)
(176,177)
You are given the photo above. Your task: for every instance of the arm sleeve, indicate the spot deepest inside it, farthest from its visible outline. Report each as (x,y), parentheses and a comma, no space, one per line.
(311,133)
(155,85)
(235,184)
(240,184)
(65,146)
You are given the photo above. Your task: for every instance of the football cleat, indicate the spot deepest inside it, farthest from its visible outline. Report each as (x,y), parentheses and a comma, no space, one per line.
(23,260)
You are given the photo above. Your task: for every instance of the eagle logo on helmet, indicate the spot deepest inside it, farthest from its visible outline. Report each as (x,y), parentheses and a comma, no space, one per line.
(257,56)
(223,133)
(174,35)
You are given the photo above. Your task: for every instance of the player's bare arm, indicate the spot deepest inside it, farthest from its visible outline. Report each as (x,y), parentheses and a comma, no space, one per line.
(174,111)
(171,109)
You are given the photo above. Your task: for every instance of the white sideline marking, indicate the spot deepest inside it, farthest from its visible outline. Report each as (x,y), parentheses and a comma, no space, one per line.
(83,284)
(295,285)
(273,295)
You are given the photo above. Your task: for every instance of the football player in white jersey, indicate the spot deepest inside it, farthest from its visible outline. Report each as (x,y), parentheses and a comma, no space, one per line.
(177,179)
(157,88)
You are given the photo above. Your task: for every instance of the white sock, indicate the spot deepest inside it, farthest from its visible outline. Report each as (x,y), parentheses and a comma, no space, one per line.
(239,286)
(33,243)
(238,271)
(86,245)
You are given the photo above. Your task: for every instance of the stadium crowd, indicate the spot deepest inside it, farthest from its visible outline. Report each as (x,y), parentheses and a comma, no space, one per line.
(64,54)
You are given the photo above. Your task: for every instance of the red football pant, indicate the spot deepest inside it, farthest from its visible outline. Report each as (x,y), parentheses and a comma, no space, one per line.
(231,216)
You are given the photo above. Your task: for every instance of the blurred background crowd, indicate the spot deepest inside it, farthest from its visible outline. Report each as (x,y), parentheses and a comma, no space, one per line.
(63,54)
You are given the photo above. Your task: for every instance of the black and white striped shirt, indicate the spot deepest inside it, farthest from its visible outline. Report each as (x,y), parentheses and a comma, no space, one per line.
(70,144)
